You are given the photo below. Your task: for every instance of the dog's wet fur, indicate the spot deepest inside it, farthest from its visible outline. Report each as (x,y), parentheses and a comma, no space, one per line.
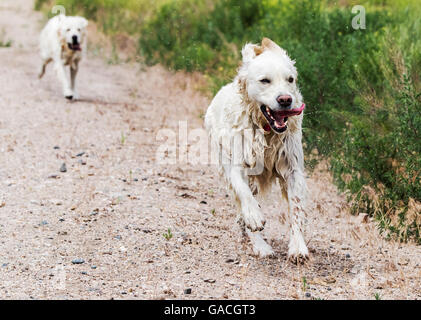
(254,106)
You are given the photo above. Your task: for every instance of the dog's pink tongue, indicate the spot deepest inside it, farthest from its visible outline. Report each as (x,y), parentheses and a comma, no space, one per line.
(289,113)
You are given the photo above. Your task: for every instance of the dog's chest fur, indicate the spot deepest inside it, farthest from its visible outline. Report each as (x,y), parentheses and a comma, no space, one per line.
(280,153)
(68,56)
(232,113)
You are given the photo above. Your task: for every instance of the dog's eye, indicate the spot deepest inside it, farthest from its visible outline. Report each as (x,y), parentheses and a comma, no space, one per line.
(265,81)
(290,79)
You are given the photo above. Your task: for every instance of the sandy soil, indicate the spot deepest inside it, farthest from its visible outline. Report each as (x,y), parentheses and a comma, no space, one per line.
(114,203)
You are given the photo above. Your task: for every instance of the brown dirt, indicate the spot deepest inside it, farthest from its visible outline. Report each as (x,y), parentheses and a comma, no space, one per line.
(99,213)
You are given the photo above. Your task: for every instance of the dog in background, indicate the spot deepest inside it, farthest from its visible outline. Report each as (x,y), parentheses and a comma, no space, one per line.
(62,41)
(264,106)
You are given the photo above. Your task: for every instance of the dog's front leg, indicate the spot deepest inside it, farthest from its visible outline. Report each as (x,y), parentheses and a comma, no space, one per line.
(295,192)
(61,74)
(250,210)
(73,72)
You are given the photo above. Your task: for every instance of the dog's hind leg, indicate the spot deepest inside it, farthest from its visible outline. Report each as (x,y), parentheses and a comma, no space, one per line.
(250,210)
(43,67)
(260,246)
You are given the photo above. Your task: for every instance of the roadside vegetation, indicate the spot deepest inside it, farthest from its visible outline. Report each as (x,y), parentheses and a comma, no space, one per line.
(362,87)
(4,43)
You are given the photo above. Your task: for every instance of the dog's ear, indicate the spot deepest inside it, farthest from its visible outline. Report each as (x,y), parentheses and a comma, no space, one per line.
(268,44)
(251,51)
(83,22)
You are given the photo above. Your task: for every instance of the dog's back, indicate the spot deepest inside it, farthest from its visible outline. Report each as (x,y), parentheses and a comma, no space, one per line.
(49,38)
(225,116)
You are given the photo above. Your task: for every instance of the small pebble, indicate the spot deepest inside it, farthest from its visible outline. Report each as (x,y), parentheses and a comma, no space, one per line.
(348,256)
(63,168)
(93,267)
(44,223)
(78,261)
(80,154)
(56,147)
(203,202)
(187,291)
(308,295)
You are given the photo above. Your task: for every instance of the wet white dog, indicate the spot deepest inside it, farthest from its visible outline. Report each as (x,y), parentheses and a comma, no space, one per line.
(62,41)
(255,128)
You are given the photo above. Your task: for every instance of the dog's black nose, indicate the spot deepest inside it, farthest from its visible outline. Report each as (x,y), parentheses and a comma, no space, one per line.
(74,38)
(284,100)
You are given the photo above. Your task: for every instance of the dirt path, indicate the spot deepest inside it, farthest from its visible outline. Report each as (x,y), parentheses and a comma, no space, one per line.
(114,203)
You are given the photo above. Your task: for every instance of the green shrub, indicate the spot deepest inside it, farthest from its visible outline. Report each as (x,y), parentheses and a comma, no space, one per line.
(380,165)
(113,16)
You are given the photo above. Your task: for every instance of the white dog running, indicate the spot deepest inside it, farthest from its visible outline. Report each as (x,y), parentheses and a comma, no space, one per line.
(62,41)
(263,106)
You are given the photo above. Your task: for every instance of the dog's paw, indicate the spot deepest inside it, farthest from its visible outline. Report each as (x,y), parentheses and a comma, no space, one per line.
(68,93)
(253,218)
(298,252)
(263,250)
(75,96)
(260,247)
(298,259)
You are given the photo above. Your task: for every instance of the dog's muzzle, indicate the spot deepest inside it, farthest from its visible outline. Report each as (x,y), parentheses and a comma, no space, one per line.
(278,120)
(74,46)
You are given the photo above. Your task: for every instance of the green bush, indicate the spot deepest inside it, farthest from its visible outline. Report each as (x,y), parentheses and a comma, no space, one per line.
(359,85)
(380,165)
(113,16)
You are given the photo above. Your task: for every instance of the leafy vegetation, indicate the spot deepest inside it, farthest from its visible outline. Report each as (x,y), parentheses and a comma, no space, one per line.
(4,43)
(362,87)
(168,235)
